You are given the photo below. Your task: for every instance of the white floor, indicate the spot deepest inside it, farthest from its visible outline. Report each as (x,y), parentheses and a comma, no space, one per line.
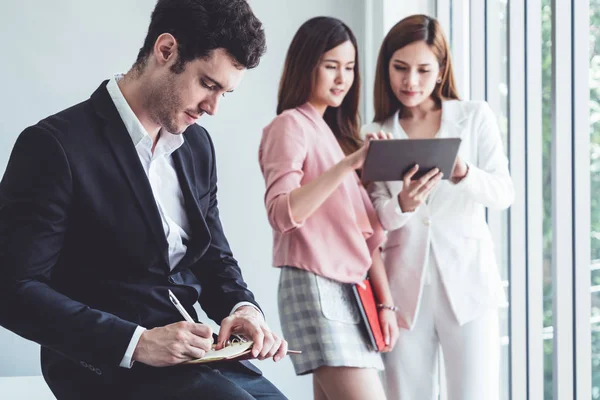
(25,388)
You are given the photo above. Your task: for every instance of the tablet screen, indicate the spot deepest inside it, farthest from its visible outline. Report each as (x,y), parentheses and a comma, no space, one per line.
(390,160)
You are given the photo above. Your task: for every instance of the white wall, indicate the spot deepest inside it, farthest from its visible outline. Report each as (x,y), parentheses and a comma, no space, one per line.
(56,53)
(396,10)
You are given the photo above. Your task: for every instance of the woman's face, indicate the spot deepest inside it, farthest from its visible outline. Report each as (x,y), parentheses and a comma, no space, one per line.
(335,75)
(414,71)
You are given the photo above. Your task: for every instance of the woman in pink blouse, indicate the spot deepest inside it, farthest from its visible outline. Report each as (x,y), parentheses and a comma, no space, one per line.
(326,232)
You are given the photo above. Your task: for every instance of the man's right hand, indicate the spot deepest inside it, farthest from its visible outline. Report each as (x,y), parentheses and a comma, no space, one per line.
(173,344)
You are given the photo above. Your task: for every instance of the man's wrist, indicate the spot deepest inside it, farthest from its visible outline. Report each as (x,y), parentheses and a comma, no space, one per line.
(130,352)
(247,308)
(247,304)
(137,354)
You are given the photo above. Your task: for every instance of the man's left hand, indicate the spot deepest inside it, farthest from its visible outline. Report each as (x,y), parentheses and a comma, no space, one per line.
(249,322)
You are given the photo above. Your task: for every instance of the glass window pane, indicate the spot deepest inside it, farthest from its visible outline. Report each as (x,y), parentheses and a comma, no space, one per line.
(497,97)
(548,336)
(595,190)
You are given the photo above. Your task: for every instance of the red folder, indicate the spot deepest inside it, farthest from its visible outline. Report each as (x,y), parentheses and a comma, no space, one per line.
(368,308)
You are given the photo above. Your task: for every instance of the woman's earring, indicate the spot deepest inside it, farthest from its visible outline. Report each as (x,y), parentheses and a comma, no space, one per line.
(439,80)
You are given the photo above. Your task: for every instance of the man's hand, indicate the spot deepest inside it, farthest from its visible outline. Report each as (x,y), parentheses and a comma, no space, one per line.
(249,322)
(173,344)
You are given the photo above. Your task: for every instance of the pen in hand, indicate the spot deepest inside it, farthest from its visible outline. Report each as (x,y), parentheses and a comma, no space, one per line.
(180,308)
(188,318)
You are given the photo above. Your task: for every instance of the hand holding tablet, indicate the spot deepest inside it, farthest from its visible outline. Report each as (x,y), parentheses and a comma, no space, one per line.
(415,192)
(390,160)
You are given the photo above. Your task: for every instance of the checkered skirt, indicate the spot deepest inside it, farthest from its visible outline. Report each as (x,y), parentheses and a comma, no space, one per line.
(320,317)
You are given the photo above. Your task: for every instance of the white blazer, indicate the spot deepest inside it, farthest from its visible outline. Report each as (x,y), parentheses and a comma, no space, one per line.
(452,223)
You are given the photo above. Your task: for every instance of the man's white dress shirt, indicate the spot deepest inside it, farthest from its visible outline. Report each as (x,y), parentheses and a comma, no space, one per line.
(162,176)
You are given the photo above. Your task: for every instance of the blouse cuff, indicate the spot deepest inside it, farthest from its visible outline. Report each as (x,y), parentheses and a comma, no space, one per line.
(284,220)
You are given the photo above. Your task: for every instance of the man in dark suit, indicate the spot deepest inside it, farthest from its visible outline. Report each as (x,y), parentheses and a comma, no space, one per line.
(109,204)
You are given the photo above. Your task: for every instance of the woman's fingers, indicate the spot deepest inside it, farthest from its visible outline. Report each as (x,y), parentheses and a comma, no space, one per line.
(424,182)
(407,179)
(430,185)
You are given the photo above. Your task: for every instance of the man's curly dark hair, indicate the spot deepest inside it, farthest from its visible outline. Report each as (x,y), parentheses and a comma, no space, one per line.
(201,26)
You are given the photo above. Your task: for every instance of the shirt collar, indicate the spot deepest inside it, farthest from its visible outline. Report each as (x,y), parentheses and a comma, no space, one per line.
(310,111)
(167,142)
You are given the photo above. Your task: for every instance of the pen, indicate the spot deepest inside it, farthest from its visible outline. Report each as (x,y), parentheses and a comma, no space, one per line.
(180,308)
(187,317)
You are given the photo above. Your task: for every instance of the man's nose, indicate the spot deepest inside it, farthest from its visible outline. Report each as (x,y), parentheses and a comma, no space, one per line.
(210,106)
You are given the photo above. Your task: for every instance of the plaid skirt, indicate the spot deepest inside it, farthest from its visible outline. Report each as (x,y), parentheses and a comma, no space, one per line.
(320,317)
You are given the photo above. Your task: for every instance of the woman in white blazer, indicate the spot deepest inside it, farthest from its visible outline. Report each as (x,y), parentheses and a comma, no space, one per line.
(439,253)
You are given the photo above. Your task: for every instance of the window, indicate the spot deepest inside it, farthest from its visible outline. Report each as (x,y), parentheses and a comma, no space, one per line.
(594,109)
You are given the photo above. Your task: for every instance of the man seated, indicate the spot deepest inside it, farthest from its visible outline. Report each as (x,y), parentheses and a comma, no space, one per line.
(111,203)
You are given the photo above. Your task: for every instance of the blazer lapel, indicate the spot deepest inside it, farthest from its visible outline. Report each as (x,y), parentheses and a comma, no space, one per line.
(126,155)
(392,125)
(200,236)
(453,116)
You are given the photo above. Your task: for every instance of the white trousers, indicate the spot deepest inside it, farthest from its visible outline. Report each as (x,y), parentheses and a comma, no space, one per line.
(471,352)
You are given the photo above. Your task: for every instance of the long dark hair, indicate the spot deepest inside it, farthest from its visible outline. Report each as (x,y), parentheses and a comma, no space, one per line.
(412,29)
(314,38)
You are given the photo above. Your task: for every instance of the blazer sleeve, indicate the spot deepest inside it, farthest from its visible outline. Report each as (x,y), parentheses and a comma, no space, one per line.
(489,182)
(35,197)
(282,153)
(220,276)
(387,206)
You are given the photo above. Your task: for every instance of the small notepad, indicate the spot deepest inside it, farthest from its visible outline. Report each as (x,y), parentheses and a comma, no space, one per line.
(229,352)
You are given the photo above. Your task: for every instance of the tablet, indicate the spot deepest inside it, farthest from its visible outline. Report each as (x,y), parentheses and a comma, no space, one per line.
(390,160)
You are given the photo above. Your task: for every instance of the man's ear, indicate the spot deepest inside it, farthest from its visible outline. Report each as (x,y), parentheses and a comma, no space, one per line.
(165,48)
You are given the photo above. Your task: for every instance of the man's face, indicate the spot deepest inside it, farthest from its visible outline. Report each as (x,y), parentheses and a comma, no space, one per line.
(175,101)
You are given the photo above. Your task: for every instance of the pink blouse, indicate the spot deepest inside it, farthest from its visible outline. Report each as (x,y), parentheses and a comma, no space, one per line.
(337,240)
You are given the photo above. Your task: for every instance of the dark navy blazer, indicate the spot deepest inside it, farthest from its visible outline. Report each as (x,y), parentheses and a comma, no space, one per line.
(83,255)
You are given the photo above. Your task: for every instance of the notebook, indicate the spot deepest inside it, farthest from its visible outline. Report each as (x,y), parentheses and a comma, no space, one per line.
(237,349)
(368,309)
(233,351)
